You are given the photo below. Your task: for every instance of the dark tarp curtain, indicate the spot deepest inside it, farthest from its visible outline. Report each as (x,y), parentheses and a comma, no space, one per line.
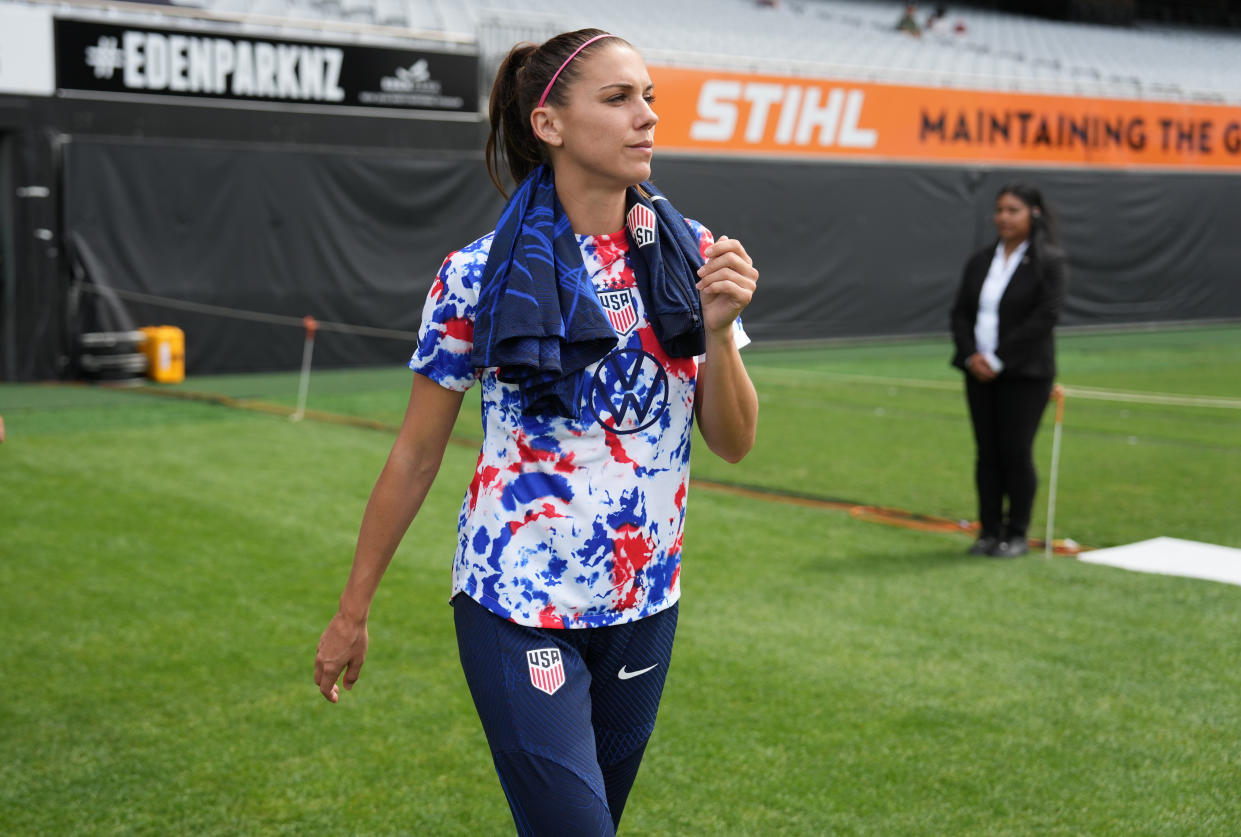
(859,250)
(844,250)
(346,237)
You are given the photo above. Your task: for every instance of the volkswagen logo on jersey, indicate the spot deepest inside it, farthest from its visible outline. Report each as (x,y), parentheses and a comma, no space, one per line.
(621,311)
(629,392)
(641,222)
(546,669)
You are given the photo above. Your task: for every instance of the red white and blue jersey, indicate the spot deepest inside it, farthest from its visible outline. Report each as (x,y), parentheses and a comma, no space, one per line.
(571,523)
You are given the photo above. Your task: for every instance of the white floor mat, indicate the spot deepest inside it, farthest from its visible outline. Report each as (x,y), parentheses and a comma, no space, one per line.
(1173,556)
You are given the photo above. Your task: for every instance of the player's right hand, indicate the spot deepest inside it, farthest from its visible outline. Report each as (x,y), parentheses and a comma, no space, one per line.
(342,648)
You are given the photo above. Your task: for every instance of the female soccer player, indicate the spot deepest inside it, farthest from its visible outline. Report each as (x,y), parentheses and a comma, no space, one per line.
(599,323)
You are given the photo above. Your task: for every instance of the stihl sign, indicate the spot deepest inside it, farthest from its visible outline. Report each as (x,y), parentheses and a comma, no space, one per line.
(710,112)
(785,114)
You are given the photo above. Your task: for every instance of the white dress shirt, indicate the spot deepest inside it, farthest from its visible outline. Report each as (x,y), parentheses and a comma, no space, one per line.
(987,324)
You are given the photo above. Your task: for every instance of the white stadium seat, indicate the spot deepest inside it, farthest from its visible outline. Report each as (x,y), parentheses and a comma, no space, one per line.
(837,37)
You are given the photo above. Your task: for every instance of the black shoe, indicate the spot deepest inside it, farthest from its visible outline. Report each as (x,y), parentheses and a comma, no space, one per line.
(1011,548)
(985,545)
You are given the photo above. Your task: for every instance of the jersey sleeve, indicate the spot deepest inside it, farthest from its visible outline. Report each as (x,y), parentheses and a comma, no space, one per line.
(704,236)
(705,240)
(446,336)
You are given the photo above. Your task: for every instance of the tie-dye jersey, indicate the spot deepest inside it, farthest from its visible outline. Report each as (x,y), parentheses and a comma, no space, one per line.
(571,523)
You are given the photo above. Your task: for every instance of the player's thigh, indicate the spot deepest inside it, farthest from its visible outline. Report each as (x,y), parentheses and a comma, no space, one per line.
(629,671)
(531,689)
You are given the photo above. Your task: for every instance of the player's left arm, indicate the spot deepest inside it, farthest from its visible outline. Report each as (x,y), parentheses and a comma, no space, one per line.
(725,402)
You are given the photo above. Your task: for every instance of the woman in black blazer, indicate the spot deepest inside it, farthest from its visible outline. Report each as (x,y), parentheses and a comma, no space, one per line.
(1002,324)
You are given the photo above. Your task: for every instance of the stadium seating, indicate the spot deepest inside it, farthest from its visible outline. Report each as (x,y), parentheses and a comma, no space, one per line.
(846,38)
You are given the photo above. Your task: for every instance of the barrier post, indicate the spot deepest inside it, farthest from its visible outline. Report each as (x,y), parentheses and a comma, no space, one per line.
(1057,393)
(308,349)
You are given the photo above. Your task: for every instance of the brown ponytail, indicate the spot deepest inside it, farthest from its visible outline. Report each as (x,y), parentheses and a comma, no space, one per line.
(523,75)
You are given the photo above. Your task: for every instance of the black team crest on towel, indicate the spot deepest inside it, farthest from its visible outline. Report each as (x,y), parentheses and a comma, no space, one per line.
(641,223)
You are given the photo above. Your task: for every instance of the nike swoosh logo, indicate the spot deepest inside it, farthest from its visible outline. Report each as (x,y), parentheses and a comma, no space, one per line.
(625,675)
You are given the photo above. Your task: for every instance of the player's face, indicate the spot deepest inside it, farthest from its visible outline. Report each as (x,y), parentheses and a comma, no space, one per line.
(606,129)
(1012,218)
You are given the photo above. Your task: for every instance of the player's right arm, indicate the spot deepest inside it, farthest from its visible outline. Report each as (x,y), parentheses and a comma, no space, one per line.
(398,494)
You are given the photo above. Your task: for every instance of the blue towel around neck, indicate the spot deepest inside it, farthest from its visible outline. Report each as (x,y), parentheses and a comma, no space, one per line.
(538,319)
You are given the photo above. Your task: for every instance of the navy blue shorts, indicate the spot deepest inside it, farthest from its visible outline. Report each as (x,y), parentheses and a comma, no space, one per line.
(567,712)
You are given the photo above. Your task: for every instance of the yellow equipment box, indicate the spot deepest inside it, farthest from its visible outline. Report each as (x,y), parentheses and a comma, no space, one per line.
(165,350)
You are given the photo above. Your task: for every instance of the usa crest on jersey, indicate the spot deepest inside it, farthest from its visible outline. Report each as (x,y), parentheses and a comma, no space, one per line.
(546,669)
(622,313)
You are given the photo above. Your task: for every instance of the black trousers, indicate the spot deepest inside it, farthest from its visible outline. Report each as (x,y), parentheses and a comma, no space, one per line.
(1006,413)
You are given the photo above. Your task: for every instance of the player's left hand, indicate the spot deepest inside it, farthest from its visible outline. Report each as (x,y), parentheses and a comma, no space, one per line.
(726,283)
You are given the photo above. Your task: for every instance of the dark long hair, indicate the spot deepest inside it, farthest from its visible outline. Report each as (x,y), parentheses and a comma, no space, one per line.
(520,81)
(1043,226)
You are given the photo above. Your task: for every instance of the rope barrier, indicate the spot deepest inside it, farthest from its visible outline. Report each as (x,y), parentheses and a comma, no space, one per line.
(1088,393)
(1130,397)
(253,316)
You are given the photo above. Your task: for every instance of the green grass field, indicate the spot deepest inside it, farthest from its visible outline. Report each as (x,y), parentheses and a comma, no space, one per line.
(168,566)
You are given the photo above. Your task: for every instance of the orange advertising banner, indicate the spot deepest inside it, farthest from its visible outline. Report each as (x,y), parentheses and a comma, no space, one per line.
(706,112)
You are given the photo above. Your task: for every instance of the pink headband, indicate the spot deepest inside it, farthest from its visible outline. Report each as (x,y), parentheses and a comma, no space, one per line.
(572,55)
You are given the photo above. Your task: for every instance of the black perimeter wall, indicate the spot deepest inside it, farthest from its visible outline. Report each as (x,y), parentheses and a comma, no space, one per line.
(350,237)
(275,211)
(348,218)
(853,250)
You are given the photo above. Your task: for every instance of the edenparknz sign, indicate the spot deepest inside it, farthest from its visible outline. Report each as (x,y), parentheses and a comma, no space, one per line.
(102,57)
